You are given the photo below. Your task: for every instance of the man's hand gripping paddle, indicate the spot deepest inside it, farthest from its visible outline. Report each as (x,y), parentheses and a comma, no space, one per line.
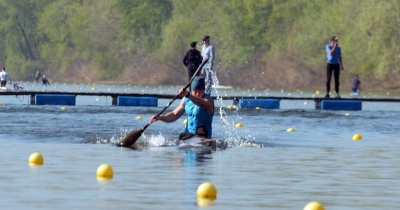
(133,136)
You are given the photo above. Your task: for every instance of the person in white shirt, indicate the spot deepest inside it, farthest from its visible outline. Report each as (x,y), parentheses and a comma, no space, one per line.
(208,52)
(4,76)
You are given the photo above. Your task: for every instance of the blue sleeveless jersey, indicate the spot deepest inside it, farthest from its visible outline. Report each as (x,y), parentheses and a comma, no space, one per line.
(198,116)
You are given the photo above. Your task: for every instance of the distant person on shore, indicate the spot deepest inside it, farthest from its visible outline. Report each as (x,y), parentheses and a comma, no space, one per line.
(4,77)
(356,86)
(38,75)
(208,52)
(334,65)
(45,82)
(192,59)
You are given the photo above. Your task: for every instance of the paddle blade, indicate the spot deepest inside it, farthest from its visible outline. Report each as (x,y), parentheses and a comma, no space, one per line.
(130,138)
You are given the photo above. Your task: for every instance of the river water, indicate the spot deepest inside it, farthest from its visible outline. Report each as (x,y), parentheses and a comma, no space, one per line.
(257,166)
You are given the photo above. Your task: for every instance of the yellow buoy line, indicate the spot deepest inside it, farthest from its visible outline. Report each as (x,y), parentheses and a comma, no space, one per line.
(206,192)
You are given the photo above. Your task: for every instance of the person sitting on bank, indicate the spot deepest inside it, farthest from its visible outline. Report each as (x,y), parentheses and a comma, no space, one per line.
(199,108)
(356,86)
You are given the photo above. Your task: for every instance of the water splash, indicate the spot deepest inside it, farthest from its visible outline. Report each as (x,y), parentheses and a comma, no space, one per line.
(228,123)
(159,140)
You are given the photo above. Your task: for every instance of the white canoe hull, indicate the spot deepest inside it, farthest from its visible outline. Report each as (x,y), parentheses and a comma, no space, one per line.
(198,144)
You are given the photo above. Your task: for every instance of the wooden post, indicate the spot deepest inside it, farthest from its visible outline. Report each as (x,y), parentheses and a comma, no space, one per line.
(317,103)
(235,101)
(32,99)
(114,100)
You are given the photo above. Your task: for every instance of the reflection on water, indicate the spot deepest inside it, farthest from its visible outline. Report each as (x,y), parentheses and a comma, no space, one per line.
(196,158)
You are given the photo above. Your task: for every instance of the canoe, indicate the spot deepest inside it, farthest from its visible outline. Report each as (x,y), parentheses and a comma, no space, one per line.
(199,144)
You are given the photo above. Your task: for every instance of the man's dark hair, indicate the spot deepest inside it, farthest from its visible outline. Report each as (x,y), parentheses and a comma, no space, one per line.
(193,44)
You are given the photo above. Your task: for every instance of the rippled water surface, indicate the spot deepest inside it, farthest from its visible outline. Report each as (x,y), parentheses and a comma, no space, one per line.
(258,166)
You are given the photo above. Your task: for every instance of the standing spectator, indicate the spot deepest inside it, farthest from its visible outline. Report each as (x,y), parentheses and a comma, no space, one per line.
(356,86)
(38,75)
(192,59)
(208,52)
(334,65)
(4,76)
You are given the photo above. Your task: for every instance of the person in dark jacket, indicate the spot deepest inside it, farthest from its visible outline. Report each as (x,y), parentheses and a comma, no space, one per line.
(45,81)
(192,59)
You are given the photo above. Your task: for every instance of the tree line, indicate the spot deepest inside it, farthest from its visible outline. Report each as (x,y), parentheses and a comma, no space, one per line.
(109,37)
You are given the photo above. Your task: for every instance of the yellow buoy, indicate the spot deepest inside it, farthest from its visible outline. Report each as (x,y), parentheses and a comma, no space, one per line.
(1,104)
(230,106)
(314,206)
(357,137)
(185,121)
(105,171)
(63,108)
(317,92)
(239,125)
(139,117)
(93,88)
(36,159)
(290,130)
(206,191)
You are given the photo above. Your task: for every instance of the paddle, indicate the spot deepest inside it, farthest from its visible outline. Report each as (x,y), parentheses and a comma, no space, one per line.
(134,135)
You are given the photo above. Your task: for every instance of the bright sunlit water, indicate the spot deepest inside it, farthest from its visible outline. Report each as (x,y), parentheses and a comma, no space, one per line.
(258,166)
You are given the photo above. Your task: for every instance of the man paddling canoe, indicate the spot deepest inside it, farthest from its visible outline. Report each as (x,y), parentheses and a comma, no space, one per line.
(199,108)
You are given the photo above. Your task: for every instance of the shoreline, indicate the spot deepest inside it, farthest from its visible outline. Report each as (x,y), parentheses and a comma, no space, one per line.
(224,88)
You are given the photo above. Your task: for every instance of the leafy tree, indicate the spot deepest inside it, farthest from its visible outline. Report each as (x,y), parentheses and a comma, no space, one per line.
(142,22)
(367,40)
(82,32)
(374,37)
(18,28)
(237,29)
(109,37)
(58,48)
